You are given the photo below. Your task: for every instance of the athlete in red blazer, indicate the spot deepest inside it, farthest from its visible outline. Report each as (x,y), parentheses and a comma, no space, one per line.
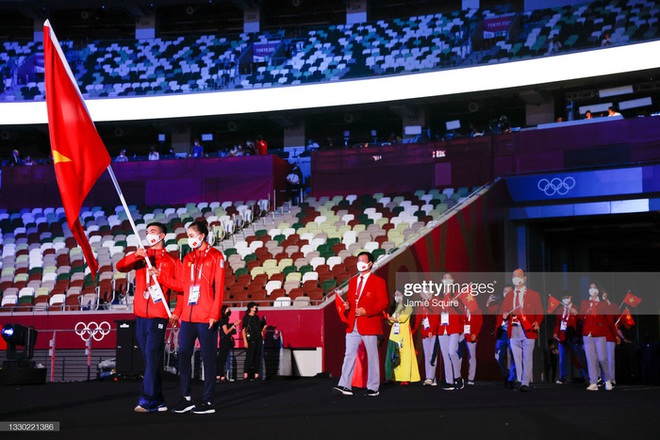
(366,301)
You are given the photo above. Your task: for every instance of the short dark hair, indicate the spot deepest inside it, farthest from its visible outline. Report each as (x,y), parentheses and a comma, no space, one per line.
(251,304)
(369,255)
(159,225)
(201,226)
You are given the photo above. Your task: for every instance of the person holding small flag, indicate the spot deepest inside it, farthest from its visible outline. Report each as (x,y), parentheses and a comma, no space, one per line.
(427,323)
(565,333)
(472,322)
(524,312)
(366,300)
(595,327)
(449,333)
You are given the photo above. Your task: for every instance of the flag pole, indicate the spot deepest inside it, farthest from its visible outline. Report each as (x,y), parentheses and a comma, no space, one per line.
(135,231)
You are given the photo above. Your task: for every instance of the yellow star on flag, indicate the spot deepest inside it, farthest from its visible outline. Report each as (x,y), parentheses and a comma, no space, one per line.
(59,157)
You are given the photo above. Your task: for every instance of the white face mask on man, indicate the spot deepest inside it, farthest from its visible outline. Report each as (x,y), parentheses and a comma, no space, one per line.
(153,239)
(362,266)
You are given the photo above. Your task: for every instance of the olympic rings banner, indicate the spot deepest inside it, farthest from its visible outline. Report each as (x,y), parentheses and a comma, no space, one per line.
(578,184)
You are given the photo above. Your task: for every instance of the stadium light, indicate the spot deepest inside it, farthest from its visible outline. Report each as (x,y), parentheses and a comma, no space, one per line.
(18,335)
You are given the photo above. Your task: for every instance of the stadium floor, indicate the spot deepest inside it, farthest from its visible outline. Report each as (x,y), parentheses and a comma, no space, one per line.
(298,408)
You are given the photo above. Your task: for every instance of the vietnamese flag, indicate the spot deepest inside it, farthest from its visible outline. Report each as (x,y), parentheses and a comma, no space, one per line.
(632,300)
(469,301)
(339,303)
(627,319)
(79,155)
(553,303)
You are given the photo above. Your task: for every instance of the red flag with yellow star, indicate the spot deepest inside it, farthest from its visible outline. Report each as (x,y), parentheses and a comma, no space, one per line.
(468,300)
(632,300)
(627,319)
(79,155)
(553,303)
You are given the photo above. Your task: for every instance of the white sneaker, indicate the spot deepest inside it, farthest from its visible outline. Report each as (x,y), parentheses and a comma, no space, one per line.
(592,387)
(428,382)
(608,386)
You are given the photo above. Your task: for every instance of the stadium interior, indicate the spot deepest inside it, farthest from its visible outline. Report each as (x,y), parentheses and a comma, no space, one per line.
(483,180)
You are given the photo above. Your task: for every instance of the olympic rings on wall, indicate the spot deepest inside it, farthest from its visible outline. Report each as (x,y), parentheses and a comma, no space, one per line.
(92,330)
(556,186)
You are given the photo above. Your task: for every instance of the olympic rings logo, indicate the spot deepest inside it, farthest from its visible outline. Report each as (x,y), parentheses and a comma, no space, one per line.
(92,330)
(556,185)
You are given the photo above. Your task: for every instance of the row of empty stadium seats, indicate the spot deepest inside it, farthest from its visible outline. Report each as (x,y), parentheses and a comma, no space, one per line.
(303,253)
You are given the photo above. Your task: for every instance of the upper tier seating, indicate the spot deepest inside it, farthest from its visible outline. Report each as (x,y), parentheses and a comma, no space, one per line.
(335,52)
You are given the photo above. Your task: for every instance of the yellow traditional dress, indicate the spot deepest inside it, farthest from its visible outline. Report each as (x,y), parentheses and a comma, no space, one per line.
(401,362)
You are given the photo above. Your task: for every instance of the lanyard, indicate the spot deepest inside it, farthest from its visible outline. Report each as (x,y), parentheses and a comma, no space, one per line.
(193,278)
(157,263)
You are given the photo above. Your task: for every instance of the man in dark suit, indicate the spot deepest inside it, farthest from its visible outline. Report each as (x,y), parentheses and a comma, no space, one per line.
(366,300)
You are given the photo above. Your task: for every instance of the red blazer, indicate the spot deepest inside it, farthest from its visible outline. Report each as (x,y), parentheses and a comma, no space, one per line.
(211,281)
(475,321)
(374,300)
(532,310)
(166,263)
(593,316)
(455,316)
(571,326)
(434,321)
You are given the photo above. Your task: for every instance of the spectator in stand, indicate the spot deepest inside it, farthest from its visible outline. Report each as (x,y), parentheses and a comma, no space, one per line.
(611,111)
(312,146)
(249,149)
(122,157)
(16,158)
(554,46)
(588,115)
(28,161)
(606,40)
(197,150)
(294,182)
(262,146)
(153,154)
(236,150)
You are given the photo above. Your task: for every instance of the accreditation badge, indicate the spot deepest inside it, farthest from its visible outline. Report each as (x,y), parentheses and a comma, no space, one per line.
(193,295)
(426,324)
(563,326)
(444,318)
(156,293)
(466,329)
(396,328)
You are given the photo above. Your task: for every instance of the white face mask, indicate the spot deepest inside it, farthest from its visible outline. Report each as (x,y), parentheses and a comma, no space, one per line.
(566,301)
(195,242)
(593,291)
(153,239)
(362,266)
(517,281)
